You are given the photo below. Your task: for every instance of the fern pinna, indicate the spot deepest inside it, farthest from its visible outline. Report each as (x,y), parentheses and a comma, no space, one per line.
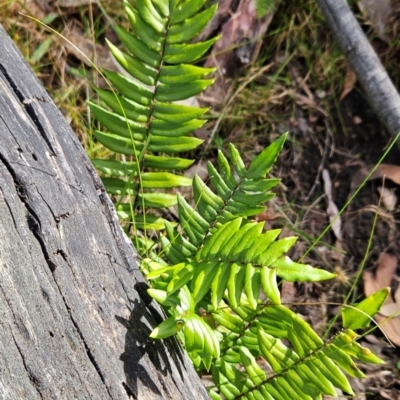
(218,272)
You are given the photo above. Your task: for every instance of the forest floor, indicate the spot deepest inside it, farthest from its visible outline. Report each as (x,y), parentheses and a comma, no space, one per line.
(298,82)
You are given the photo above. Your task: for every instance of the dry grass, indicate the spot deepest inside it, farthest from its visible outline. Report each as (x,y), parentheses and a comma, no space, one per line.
(66,75)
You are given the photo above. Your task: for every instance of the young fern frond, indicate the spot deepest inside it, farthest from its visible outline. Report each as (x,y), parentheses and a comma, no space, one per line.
(217,260)
(141,120)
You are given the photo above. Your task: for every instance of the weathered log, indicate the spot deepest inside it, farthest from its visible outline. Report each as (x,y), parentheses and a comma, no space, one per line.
(74,312)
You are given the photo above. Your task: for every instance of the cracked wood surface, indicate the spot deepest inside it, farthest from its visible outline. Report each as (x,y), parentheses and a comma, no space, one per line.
(75,317)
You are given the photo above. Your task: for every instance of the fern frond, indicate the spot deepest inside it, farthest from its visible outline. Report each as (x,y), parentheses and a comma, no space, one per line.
(226,255)
(307,370)
(140,120)
(239,192)
(223,256)
(221,259)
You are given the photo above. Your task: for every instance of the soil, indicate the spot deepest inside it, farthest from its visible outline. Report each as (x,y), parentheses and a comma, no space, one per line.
(357,147)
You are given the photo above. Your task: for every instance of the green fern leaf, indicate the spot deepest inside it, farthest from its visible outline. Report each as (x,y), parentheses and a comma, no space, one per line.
(130,89)
(191,27)
(176,112)
(263,7)
(142,123)
(270,284)
(119,186)
(166,163)
(310,369)
(187,53)
(232,241)
(185,10)
(184,73)
(133,111)
(157,200)
(360,315)
(256,374)
(167,328)
(346,341)
(291,271)
(231,322)
(138,48)
(263,162)
(150,221)
(219,283)
(116,168)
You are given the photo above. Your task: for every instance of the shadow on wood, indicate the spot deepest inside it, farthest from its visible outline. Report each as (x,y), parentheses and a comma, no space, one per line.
(74,313)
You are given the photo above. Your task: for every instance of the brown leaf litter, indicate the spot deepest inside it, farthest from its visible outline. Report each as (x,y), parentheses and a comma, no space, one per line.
(389,316)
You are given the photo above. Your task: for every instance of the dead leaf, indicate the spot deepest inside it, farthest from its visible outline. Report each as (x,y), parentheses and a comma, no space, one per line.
(377,13)
(359,388)
(389,309)
(242,36)
(373,340)
(80,47)
(45,5)
(268,215)
(387,264)
(397,295)
(389,199)
(386,267)
(385,395)
(392,395)
(389,171)
(288,292)
(339,396)
(33,7)
(306,101)
(349,82)
(337,252)
(199,168)
(191,102)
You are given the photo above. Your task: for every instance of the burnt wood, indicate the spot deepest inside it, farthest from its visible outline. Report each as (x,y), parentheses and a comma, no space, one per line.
(75,316)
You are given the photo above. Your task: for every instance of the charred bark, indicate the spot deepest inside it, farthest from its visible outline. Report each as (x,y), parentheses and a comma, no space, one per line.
(74,313)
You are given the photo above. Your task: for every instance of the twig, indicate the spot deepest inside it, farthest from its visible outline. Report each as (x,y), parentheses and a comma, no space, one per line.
(362,58)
